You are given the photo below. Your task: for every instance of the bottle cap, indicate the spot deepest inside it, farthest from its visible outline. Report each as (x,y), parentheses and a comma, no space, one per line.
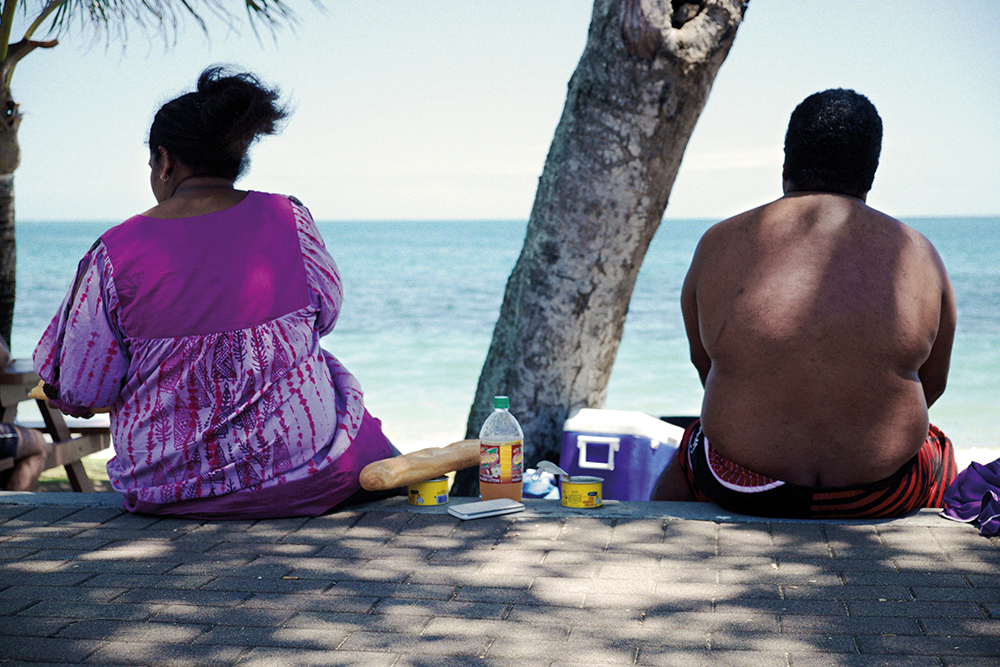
(501,403)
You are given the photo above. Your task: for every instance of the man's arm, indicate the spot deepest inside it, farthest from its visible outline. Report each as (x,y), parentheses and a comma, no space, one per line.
(689,309)
(934,371)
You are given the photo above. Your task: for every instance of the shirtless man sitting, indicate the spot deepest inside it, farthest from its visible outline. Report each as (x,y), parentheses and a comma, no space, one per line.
(822,331)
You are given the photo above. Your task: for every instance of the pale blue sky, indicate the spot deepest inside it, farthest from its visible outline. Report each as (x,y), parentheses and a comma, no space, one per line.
(445,109)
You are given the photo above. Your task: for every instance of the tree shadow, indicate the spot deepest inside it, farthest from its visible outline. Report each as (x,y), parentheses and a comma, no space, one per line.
(383,584)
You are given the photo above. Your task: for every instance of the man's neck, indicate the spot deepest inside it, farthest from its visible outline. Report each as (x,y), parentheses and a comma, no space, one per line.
(790,189)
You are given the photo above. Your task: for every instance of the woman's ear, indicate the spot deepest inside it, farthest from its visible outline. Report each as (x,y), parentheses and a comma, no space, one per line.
(164,163)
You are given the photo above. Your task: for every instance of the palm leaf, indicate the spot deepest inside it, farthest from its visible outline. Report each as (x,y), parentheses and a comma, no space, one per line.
(113,18)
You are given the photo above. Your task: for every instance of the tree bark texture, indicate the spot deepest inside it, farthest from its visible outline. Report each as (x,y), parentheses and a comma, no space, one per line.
(631,107)
(10,158)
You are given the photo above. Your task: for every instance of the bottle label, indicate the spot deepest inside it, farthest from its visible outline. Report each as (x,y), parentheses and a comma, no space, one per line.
(501,462)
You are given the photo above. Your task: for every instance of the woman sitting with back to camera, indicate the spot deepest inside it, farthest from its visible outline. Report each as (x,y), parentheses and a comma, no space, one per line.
(197,325)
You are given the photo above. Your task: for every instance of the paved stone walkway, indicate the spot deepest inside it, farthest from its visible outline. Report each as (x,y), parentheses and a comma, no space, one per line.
(84,583)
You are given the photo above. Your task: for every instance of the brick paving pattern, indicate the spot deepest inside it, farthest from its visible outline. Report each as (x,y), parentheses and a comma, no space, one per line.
(393,586)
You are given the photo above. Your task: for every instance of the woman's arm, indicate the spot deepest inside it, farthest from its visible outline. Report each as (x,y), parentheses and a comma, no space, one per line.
(322,276)
(81,357)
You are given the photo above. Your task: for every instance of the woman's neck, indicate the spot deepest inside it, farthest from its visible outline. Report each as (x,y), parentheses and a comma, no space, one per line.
(198,195)
(195,183)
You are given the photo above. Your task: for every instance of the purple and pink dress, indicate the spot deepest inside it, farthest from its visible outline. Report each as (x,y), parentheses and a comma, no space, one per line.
(202,336)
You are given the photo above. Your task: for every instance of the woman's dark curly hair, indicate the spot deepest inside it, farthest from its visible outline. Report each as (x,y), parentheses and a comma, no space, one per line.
(833,143)
(211,129)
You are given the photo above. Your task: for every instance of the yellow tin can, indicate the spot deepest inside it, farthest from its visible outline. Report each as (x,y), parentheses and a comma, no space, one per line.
(431,492)
(581,491)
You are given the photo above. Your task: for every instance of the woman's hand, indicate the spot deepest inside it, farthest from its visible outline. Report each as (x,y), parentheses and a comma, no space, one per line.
(38,393)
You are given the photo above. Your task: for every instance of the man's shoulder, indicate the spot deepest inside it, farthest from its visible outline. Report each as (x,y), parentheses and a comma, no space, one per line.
(721,233)
(918,242)
(909,248)
(750,216)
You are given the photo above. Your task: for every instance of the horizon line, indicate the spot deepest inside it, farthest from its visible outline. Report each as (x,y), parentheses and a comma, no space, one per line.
(33,221)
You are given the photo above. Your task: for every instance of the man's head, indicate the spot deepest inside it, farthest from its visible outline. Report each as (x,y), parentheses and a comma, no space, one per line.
(833,143)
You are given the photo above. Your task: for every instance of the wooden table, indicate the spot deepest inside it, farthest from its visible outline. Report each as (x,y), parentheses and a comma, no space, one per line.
(69,444)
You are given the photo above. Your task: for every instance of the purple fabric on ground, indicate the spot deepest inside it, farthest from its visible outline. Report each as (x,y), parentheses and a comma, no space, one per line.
(989,515)
(972,497)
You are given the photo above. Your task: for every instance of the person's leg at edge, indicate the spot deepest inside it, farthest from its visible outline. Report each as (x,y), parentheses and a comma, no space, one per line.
(32,451)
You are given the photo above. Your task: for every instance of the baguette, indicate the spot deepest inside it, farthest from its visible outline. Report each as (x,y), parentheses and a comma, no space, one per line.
(419,466)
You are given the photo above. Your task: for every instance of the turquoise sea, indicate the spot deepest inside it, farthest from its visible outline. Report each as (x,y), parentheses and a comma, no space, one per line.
(421,300)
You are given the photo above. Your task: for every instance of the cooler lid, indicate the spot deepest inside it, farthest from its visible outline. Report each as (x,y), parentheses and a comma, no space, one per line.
(623,422)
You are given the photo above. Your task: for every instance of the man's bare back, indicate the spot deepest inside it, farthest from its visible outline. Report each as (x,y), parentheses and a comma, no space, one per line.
(822,330)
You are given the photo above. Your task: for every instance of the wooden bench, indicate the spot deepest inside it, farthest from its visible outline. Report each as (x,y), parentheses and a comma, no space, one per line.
(70,443)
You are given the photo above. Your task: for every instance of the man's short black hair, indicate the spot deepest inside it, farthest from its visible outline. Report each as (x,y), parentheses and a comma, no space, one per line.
(833,143)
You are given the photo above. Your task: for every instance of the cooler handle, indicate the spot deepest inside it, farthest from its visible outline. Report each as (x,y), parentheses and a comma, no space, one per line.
(583,440)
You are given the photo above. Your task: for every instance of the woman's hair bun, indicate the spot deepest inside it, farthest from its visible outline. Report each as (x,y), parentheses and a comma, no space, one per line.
(211,129)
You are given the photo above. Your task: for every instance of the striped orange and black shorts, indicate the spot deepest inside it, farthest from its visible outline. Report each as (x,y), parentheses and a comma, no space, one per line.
(921,482)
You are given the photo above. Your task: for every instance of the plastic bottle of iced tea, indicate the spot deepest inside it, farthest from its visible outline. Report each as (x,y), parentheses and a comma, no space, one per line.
(501,462)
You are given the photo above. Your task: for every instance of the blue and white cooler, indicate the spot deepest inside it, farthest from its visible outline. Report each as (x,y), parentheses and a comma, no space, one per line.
(628,450)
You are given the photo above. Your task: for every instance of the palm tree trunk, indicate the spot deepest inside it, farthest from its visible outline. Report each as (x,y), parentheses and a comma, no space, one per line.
(10,158)
(631,107)
(8,256)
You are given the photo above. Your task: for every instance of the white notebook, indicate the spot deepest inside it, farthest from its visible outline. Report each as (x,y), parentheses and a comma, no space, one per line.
(485,508)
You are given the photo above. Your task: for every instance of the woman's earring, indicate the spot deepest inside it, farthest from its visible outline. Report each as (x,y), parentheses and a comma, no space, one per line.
(164,178)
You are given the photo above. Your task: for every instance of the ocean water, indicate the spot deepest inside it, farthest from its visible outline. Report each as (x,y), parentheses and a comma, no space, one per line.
(421,300)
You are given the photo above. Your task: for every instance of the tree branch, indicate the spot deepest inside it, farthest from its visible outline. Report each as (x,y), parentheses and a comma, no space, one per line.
(17,51)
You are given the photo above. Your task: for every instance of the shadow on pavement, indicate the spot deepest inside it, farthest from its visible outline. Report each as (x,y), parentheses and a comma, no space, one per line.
(384,585)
